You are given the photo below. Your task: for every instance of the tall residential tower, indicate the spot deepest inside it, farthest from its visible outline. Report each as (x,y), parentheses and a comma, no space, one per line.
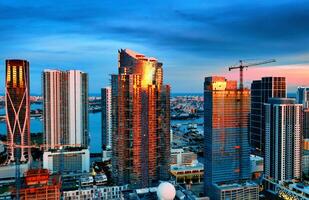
(283,144)
(106,103)
(17,105)
(65,108)
(140,121)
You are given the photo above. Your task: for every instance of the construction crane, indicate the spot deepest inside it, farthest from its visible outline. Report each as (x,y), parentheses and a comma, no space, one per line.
(242,65)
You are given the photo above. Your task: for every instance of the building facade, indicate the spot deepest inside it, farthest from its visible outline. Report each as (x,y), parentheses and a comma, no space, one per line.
(140,121)
(73,161)
(17,107)
(261,91)
(106,103)
(226,120)
(65,108)
(283,147)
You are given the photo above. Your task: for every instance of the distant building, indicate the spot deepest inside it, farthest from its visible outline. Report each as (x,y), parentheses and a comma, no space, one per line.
(140,121)
(106,104)
(226,120)
(17,105)
(261,91)
(70,161)
(181,157)
(302,96)
(65,108)
(283,147)
(8,172)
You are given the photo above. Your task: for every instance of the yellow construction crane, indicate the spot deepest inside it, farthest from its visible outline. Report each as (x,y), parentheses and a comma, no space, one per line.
(243,65)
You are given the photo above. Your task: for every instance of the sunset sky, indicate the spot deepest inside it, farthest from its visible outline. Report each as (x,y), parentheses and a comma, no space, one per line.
(193,39)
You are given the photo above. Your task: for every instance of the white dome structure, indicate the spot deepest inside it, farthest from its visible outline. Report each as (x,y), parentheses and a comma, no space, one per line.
(166,191)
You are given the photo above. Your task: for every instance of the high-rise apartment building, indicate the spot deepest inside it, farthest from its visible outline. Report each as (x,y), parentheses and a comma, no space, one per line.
(106,104)
(17,106)
(261,91)
(283,144)
(140,121)
(65,108)
(227,152)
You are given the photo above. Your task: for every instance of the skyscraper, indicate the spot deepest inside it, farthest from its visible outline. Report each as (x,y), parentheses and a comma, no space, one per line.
(261,91)
(226,120)
(65,108)
(302,96)
(283,147)
(106,118)
(140,121)
(17,105)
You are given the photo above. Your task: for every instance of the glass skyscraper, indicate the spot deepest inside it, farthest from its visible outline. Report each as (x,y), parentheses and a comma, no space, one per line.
(226,120)
(106,118)
(140,121)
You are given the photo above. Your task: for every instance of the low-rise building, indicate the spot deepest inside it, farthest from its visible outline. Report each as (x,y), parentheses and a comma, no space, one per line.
(247,190)
(182,157)
(70,161)
(192,173)
(102,193)
(256,166)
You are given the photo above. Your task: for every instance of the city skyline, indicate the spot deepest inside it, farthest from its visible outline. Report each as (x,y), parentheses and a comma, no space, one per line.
(187,39)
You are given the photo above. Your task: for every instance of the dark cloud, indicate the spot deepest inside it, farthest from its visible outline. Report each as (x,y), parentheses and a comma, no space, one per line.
(181,33)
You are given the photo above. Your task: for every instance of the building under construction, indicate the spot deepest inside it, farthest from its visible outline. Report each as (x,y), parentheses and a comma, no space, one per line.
(39,185)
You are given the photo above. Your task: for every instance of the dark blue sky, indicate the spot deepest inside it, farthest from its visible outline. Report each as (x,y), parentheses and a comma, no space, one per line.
(192,38)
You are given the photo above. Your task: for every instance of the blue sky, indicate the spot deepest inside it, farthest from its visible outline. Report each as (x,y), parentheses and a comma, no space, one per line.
(192,38)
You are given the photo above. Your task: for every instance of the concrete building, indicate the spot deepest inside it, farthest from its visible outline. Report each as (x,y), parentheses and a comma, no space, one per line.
(70,161)
(283,144)
(140,121)
(106,104)
(193,173)
(182,157)
(305,159)
(65,108)
(261,91)
(17,107)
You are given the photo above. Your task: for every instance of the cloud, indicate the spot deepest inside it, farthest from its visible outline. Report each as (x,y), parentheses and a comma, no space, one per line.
(201,35)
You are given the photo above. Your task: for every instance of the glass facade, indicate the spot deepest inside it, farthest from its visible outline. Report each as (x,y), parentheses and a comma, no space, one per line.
(261,91)
(226,118)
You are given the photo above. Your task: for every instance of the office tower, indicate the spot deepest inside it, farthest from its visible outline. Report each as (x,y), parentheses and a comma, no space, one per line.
(106,103)
(65,108)
(283,144)
(302,96)
(140,121)
(261,91)
(226,120)
(17,105)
